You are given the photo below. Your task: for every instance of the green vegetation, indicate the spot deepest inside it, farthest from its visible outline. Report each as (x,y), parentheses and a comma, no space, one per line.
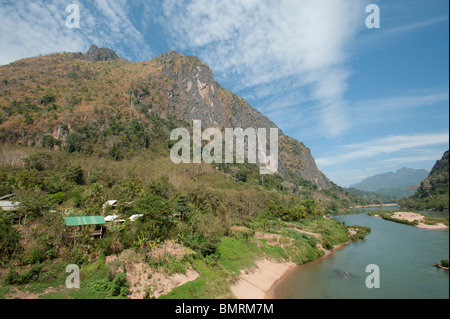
(428,220)
(197,207)
(101,132)
(372,197)
(433,192)
(387,215)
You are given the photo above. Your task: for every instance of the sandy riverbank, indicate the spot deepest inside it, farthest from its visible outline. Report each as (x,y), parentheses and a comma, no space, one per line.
(259,282)
(375,205)
(255,283)
(412,217)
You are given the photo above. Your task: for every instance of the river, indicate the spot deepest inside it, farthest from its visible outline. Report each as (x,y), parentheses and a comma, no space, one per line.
(404,254)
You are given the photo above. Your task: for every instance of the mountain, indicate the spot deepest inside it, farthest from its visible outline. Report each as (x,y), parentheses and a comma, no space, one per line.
(397,184)
(96,54)
(88,134)
(98,104)
(372,197)
(433,192)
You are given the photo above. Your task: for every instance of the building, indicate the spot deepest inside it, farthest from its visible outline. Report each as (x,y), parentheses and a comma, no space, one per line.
(87,221)
(8,204)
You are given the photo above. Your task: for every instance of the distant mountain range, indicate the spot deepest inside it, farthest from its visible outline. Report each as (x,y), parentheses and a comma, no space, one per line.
(401,183)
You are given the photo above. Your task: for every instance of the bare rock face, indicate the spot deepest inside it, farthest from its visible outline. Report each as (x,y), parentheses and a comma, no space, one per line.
(96,54)
(194,94)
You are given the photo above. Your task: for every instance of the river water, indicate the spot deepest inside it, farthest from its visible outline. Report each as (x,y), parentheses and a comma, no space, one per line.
(404,254)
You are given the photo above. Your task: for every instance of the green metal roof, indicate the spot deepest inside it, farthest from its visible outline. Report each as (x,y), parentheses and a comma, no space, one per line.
(84,220)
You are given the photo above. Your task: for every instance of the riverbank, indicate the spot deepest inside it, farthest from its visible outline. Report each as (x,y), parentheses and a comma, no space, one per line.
(375,205)
(259,282)
(420,219)
(256,283)
(391,246)
(413,219)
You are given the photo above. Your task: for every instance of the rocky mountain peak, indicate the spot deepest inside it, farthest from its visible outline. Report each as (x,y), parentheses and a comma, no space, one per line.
(96,54)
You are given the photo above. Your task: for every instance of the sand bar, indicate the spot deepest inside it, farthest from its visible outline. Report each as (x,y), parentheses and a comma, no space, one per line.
(412,217)
(255,283)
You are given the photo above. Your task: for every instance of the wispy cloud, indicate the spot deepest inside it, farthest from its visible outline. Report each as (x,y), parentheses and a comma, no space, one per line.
(402,102)
(264,42)
(386,145)
(396,108)
(369,41)
(387,32)
(38,27)
(413,159)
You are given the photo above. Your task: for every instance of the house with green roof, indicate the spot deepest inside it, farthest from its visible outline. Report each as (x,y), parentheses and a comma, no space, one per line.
(82,221)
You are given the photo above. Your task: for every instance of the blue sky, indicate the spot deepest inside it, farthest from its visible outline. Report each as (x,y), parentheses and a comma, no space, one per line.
(365,101)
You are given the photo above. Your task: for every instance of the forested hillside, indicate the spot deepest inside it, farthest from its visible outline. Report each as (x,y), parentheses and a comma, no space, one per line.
(433,192)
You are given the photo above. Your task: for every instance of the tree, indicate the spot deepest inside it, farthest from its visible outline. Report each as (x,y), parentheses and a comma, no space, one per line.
(49,141)
(33,204)
(161,187)
(95,195)
(39,161)
(9,237)
(182,207)
(157,220)
(75,174)
(47,98)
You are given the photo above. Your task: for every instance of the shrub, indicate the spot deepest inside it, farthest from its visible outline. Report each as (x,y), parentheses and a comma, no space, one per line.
(327,244)
(157,220)
(12,278)
(312,241)
(27,179)
(29,276)
(47,98)
(33,204)
(39,162)
(204,245)
(175,266)
(75,174)
(111,288)
(206,200)
(119,285)
(161,187)
(57,198)
(35,256)
(49,141)
(9,237)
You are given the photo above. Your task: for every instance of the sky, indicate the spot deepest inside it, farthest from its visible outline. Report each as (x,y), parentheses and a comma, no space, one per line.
(364,100)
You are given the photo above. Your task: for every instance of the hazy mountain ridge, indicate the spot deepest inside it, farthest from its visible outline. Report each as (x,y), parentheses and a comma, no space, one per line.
(397,183)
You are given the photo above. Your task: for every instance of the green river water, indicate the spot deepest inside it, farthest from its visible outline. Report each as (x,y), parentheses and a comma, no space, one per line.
(404,254)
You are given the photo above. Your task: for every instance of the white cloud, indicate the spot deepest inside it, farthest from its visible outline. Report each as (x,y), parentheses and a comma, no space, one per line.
(387,145)
(372,40)
(32,28)
(402,102)
(263,42)
(414,159)
(397,108)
